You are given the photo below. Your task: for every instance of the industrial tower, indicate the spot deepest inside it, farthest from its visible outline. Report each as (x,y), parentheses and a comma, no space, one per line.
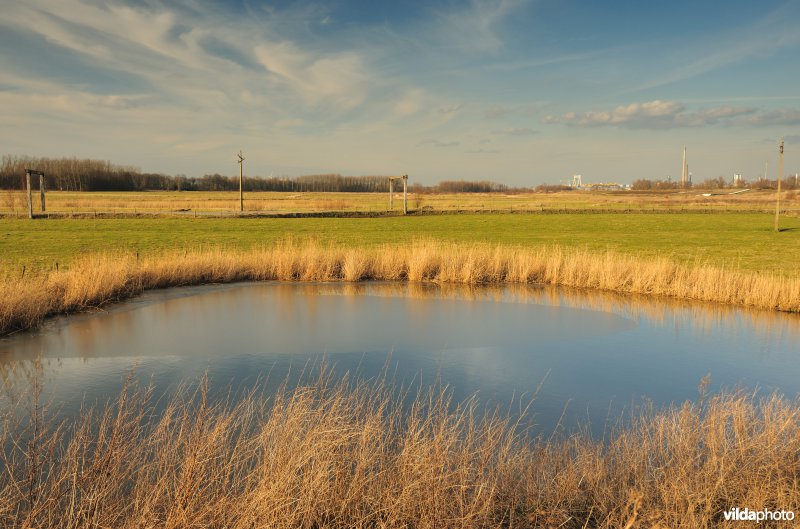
(684,170)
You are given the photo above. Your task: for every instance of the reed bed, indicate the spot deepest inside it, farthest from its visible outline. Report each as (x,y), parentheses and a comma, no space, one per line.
(364,454)
(95,280)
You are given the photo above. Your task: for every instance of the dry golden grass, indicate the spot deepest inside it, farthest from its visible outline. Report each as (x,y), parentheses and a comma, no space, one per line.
(98,279)
(219,202)
(357,454)
(65,202)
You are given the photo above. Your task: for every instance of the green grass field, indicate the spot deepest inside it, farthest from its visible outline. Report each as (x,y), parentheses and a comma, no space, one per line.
(732,240)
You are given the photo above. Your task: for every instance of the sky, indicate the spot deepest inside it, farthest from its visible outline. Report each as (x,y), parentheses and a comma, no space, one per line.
(521,92)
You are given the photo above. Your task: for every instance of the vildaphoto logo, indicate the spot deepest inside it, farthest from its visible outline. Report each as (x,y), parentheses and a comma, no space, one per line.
(748,515)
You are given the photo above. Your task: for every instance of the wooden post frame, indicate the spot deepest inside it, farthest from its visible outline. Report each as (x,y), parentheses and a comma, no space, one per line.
(404,178)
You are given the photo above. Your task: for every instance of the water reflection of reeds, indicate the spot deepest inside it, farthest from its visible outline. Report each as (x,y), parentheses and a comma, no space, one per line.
(702,318)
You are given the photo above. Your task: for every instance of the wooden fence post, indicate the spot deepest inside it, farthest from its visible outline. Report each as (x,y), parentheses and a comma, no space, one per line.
(30,195)
(241,181)
(778,200)
(41,189)
(405,194)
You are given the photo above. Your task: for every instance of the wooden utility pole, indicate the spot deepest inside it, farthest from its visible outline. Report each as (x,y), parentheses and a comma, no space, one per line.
(391,194)
(778,200)
(241,181)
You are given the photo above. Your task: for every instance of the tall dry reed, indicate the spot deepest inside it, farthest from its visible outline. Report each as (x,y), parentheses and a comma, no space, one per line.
(99,279)
(355,454)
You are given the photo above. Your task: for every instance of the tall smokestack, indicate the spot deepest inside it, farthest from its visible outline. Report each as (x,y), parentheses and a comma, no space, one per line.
(684,170)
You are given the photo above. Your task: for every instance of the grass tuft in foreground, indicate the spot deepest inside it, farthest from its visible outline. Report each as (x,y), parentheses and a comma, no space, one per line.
(353,454)
(98,279)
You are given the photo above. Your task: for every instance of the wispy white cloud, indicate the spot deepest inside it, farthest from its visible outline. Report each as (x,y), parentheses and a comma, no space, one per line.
(732,99)
(501,111)
(171,50)
(781,116)
(776,31)
(547,60)
(438,143)
(517,131)
(409,103)
(497,111)
(339,78)
(651,115)
(476,27)
(206,82)
(451,109)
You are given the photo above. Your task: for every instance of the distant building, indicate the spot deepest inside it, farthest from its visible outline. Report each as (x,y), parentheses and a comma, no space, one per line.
(604,186)
(577,183)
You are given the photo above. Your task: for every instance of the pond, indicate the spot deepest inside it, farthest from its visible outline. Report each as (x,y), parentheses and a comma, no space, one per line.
(586,356)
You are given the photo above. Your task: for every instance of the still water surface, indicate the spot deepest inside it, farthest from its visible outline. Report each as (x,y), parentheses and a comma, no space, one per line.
(592,354)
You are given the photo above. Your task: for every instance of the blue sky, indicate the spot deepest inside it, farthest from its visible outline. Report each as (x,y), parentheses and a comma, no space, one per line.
(520,92)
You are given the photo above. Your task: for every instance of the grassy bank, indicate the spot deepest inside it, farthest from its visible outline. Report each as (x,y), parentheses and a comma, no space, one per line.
(352,455)
(98,279)
(732,241)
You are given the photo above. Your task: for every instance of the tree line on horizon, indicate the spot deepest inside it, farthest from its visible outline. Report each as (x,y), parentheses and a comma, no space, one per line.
(646,184)
(72,174)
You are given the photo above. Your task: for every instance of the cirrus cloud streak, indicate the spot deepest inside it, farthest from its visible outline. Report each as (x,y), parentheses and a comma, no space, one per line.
(660,114)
